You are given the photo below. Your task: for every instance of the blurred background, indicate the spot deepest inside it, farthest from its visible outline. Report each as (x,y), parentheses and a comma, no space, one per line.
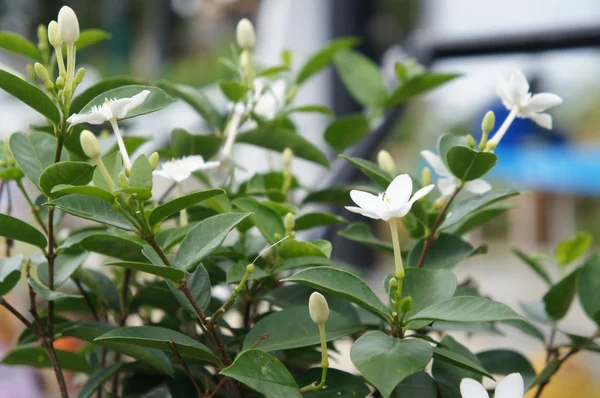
(556,44)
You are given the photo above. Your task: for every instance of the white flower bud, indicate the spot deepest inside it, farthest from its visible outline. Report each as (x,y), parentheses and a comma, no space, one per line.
(90,144)
(53,35)
(153,160)
(79,75)
(244,34)
(68,25)
(318,308)
(386,162)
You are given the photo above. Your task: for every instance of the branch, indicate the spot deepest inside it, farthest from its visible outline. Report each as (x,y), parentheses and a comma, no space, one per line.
(185,367)
(20,317)
(86,298)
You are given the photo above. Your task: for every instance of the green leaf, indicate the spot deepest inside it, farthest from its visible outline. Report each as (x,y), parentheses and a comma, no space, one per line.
(85,190)
(65,263)
(559,298)
(205,238)
(466,309)
(303,262)
(445,252)
(479,218)
(33,153)
(10,273)
(385,361)
(48,294)
(155,295)
(277,139)
(167,209)
(447,374)
(416,86)
(101,285)
(339,384)
(571,249)
(93,209)
(89,331)
(17,44)
(534,265)
(527,328)
(324,57)
(155,101)
(361,232)
(343,284)
(265,219)
(97,89)
(362,78)
(198,282)
(545,374)
(98,378)
(464,208)
(446,355)
(263,373)
(346,131)
(168,238)
(589,294)
(71,173)
(89,37)
(312,109)
(418,385)
(37,357)
(314,220)
(114,165)
(197,100)
(159,338)
(293,328)
(170,273)
(337,194)
(121,246)
(292,248)
(371,170)
(14,228)
(30,95)
(141,174)
(234,91)
(467,164)
(505,362)
(184,143)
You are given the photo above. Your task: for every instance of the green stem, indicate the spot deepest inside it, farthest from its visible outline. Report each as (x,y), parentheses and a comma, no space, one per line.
(183,215)
(70,71)
(324,363)
(218,313)
(107,178)
(397,251)
(34,208)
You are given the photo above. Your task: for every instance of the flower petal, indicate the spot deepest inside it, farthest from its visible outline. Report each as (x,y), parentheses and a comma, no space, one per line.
(364,212)
(366,200)
(117,106)
(478,186)
(518,88)
(542,101)
(399,190)
(511,387)
(420,193)
(542,119)
(470,388)
(436,163)
(136,101)
(447,185)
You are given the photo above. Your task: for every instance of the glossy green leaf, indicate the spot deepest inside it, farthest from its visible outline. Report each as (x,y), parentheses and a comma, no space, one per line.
(37,357)
(303,262)
(293,328)
(339,384)
(324,57)
(234,91)
(30,95)
(71,173)
(90,37)
(559,298)
(571,249)
(167,238)
(199,284)
(121,246)
(98,378)
(418,385)
(371,170)
(85,190)
(505,362)
(467,164)
(589,294)
(316,219)
(184,143)
(346,131)
(65,263)
(169,208)
(361,232)
(33,153)
(312,109)
(416,86)
(277,139)
(48,294)
(170,273)
(342,284)
(100,285)
(385,361)
(479,218)
(101,87)
(362,77)
(14,228)
(17,44)
(466,309)
(10,273)
(536,266)
(336,194)
(205,238)
(159,338)
(292,248)
(141,174)
(197,100)
(445,252)
(447,374)
(93,209)
(446,355)
(263,373)
(155,101)
(265,219)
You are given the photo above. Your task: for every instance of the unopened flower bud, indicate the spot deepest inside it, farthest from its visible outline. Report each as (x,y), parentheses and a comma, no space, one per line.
(30,71)
(53,35)
(41,72)
(488,122)
(60,82)
(491,145)
(244,34)
(470,141)
(42,34)
(386,162)
(288,156)
(127,171)
(68,25)
(123,181)
(153,160)
(250,268)
(426,176)
(406,304)
(79,75)
(393,283)
(90,144)
(289,222)
(318,308)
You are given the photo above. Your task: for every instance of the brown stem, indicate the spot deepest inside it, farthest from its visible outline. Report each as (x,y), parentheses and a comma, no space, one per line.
(9,242)
(218,387)
(20,317)
(543,384)
(152,242)
(87,299)
(261,338)
(431,236)
(186,368)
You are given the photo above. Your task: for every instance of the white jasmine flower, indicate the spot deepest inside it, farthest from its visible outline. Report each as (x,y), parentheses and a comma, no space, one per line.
(448,183)
(269,99)
(393,203)
(511,387)
(515,95)
(179,170)
(110,111)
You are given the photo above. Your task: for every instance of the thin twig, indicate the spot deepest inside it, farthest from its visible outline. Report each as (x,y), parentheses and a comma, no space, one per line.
(185,367)
(9,242)
(20,317)
(87,298)
(34,208)
(218,387)
(261,338)
(545,383)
